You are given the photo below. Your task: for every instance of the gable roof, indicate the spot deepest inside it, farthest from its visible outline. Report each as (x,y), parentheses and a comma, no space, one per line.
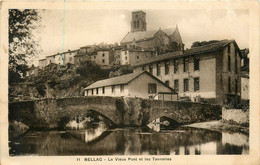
(124,79)
(193,51)
(142,35)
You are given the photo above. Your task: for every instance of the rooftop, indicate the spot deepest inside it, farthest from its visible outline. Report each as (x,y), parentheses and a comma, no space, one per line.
(136,36)
(193,51)
(124,79)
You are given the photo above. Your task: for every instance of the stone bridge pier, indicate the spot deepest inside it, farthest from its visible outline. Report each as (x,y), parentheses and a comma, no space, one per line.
(53,113)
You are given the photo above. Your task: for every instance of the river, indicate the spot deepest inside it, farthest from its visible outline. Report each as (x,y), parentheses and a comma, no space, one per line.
(129,141)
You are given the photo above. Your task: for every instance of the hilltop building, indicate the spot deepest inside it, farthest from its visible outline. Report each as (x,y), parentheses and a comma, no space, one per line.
(210,72)
(103,57)
(82,55)
(58,58)
(42,63)
(139,84)
(135,56)
(161,40)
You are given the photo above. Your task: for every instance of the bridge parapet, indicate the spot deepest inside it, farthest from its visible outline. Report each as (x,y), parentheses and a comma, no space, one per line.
(52,113)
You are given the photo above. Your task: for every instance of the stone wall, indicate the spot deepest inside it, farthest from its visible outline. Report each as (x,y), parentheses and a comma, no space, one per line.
(236,116)
(53,113)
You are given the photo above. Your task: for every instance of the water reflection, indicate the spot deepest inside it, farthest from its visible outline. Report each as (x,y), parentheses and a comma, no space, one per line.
(89,134)
(162,123)
(130,141)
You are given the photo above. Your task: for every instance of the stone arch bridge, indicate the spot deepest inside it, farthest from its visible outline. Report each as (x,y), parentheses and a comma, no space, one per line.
(53,113)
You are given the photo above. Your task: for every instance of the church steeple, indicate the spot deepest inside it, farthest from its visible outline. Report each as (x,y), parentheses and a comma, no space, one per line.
(138,22)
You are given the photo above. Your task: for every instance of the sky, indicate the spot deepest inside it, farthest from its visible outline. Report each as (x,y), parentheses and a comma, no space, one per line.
(71,29)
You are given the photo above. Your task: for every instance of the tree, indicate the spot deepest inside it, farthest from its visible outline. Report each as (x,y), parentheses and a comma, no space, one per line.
(23,45)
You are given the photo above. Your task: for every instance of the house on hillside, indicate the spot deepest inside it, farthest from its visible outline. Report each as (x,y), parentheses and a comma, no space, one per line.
(103,57)
(81,55)
(42,63)
(210,72)
(140,84)
(132,56)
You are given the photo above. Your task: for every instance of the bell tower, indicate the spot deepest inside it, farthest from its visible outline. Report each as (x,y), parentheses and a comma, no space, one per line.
(138,22)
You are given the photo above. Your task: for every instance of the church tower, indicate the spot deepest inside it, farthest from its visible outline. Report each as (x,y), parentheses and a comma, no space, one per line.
(138,22)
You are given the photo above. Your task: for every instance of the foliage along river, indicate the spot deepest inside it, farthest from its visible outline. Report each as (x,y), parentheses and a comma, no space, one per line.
(100,140)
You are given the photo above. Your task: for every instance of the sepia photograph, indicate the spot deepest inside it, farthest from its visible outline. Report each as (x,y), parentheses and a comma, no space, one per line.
(130,81)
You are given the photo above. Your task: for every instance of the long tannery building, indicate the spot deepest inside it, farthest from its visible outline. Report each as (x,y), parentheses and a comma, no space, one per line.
(211,72)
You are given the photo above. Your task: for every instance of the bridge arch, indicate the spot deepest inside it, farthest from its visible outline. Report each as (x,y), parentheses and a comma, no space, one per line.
(172,122)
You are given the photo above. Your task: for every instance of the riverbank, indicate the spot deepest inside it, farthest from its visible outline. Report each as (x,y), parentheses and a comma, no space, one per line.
(220,126)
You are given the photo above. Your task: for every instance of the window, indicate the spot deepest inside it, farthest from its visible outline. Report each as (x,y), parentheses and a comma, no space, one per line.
(152,88)
(103,60)
(186,85)
(125,52)
(185,64)
(158,69)
(196,62)
(92,91)
(196,84)
(97,91)
(167,83)
(125,58)
(229,49)
(70,58)
(236,66)
(143,67)
(122,88)
(94,57)
(176,64)
(86,92)
(229,63)
(103,90)
(167,64)
(236,86)
(103,55)
(229,85)
(137,57)
(113,89)
(176,85)
(151,68)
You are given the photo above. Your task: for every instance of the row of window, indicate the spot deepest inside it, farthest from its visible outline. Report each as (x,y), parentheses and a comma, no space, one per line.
(96,90)
(175,66)
(186,84)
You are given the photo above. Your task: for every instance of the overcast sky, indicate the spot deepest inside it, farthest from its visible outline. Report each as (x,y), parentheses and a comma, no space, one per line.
(75,28)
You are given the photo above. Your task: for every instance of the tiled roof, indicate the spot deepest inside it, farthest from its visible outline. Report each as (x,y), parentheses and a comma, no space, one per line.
(192,51)
(161,58)
(125,79)
(115,80)
(207,48)
(81,54)
(136,36)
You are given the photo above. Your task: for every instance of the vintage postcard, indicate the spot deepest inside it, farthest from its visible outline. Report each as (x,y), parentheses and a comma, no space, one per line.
(129,82)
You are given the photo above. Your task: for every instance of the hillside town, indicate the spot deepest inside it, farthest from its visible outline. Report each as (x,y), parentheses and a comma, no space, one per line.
(214,72)
(146,95)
